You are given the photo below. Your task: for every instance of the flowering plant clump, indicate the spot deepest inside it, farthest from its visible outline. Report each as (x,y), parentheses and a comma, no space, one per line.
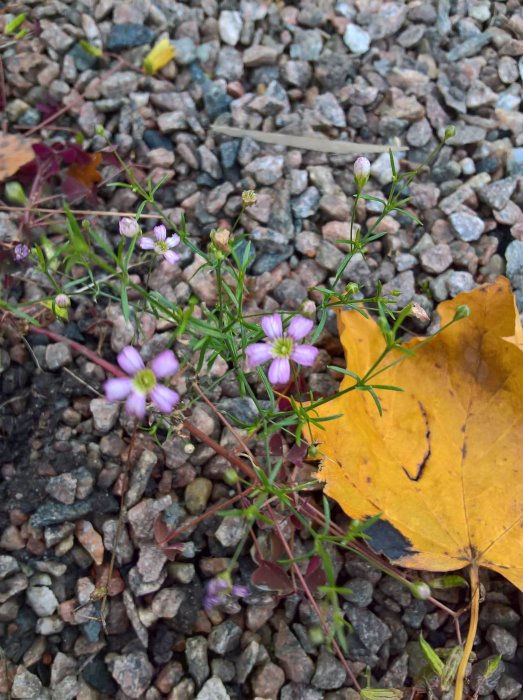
(161,244)
(21,251)
(220,590)
(143,382)
(282,347)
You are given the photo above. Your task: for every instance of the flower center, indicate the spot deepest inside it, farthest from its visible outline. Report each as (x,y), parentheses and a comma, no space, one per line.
(144,381)
(282,347)
(161,247)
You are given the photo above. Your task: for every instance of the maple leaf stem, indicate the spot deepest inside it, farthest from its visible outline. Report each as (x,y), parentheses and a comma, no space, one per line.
(473,626)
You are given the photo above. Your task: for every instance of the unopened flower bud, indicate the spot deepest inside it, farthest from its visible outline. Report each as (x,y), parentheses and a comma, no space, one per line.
(462,311)
(62,301)
(15,194)
(420,590)
(419,312)
(352,288)
(248,198)
(129,227)
(450,131)
(189,448)
(221,237)
(316,636)
(231,477)
(361,172)
(99,130)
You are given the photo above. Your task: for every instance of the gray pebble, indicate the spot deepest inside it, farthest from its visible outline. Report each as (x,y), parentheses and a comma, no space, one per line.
(459,281)
(467,226)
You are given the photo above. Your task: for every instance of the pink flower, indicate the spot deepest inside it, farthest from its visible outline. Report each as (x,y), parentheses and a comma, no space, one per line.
(161,245)
(221,589)
(143,382)
(282,347)
(129,227)
(21,252)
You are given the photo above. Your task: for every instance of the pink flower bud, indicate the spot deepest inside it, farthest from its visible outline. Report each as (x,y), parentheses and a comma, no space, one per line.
(361,172)
(129,227)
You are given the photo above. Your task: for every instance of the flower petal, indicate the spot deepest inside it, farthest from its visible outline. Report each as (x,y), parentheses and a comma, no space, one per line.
(304,354)
(299,327)
(171,257)
(173,241)
(129,360)
(258,353)
(146,243)
(160,232)
(272,326)
(164,364)
(240,591)
(280,371)
(118,389)
(135,404)
(164,399)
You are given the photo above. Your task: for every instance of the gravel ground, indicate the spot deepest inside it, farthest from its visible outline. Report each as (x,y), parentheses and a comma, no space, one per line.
(370,71)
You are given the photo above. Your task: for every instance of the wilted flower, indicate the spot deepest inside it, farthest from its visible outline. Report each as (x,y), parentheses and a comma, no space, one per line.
(282,347)
(221,237)
(62,301)
(129,227)
(220,589)
(419,312)
(21,252)
(143,382)
(159,56)
(161,245)
(361,172)
(248,198)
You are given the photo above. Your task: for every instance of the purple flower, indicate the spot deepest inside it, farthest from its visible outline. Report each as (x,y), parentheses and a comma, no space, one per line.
(161,245)
(129,227)
(282,347)
(220,590)
(21,252)
(143,382)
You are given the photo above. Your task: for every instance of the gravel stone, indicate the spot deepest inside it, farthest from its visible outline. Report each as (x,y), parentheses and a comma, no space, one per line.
(58,355)
(105,414)
(436,259)
(213,690)
(12,586)
(8,565)
(297,665)
(329,673)
(477,678)
(372,632)
(266,170)
(42,600)
(230,26)
(133,673)
(356,39)
(27,685)
(508,688)
(501,641)
(498,194)
(498,614)
(458,281)
(197,661)
(225,638)
(467,226)
(267,680)
(307,203)
(361,591)
(127,36)
(62,488)
(197,494)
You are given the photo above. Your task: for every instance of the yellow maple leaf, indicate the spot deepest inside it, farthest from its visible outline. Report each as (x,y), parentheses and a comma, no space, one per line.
(442,465)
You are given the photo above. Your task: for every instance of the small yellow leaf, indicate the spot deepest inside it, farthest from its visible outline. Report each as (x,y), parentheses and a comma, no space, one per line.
(159,56)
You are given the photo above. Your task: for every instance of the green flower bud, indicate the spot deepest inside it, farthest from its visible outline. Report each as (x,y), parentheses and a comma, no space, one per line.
(462,311)
(231,477)
(62,301)
(450,131)
(352,288)
(99,130)
(420,590)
